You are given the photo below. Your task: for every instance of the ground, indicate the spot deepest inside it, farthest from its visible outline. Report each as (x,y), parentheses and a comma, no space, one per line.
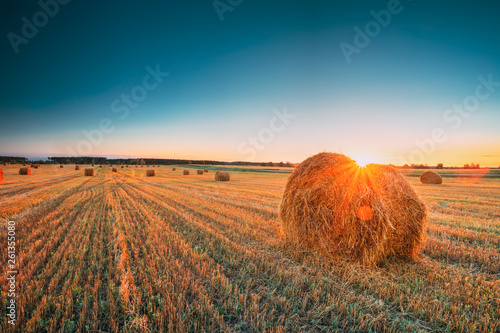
(124,252)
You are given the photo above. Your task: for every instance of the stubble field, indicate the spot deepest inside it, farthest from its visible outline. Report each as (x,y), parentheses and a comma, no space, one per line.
(122,252)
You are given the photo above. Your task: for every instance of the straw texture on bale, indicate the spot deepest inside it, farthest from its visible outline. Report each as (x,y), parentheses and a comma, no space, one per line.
(114,170)
(200,172)
(25,171)
(431,177)
(185,172)
(77,168)
(90,172)
(1,176)
(150,173)
(222,176)
(332,206)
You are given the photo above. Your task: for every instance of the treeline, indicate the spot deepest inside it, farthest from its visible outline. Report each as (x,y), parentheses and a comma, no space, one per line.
(13,160)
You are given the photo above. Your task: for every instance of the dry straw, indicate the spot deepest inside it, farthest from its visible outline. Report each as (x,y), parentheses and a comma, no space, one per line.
(222,176)
(150,173)
(431,177)
(332,206)
(25,171)
(200,172)
(90,172)
(185,172)
(114,170)
(1,176)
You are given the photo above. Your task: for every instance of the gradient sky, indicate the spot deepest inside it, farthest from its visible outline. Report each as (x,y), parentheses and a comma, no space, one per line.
(227,79)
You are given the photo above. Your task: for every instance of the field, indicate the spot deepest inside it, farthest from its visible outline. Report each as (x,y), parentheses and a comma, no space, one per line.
(124,252)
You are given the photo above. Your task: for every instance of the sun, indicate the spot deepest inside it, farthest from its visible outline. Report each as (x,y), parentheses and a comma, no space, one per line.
(363,160)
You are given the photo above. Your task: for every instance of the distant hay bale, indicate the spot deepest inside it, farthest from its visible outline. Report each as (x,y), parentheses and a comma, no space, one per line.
(114,170)
(206,170)
(332,206)
(5,164)
(92,165)
(150,173)
(37,166)
(200,172)
(122,166)
(61,166)
(25,164)
(100,166)
(431,177)
(173,169)
(32,165)
(77,168)
(222,176)
(185,172)
(126,166)
(136,166)
(25,171)
(90,172)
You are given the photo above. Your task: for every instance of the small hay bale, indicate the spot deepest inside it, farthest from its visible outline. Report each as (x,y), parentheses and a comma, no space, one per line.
(136,166)
(5,164)
(114,170)
(200,172)
(100,166)
(25,171)
(122,166)
(61,166)
(1,176)
(127,166)
(90,172)
(333,207)
(25,164)
(185,172)
(150,173)
(37,166)
(206,170)
(173,169)
(77,168)
(431,177)
(222,176)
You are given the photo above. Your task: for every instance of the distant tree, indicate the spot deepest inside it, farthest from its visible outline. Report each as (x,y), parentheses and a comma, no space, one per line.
(406,166)
(466,166)
(439,166)
(281,164)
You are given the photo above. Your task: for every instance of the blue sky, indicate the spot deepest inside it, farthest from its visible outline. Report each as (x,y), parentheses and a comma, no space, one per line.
(227,79)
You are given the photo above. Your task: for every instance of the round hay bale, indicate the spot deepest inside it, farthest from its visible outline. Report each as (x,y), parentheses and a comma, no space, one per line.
(37,166)
(90,172)
(332,206)
(185,172)
(206,170)
(25,171)
(77,168)
(25,164)
(431,177)
(122,166)
(114,170)
(1,176)
(173,169)
(200,172)
(61,166)
(150,173)
(222,176)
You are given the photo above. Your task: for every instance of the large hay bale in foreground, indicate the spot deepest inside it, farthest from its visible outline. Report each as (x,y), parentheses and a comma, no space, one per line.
(332,206)
(185,172)
(77,168)
(222,176)
(114,170)
(150,173)
(431,177)
(200,172)
(25,171)
(90,172)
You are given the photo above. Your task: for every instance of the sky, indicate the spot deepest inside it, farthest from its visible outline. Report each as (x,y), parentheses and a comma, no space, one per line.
(388,81)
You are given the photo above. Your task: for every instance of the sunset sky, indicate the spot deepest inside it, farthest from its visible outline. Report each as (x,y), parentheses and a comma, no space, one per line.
(263,81)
